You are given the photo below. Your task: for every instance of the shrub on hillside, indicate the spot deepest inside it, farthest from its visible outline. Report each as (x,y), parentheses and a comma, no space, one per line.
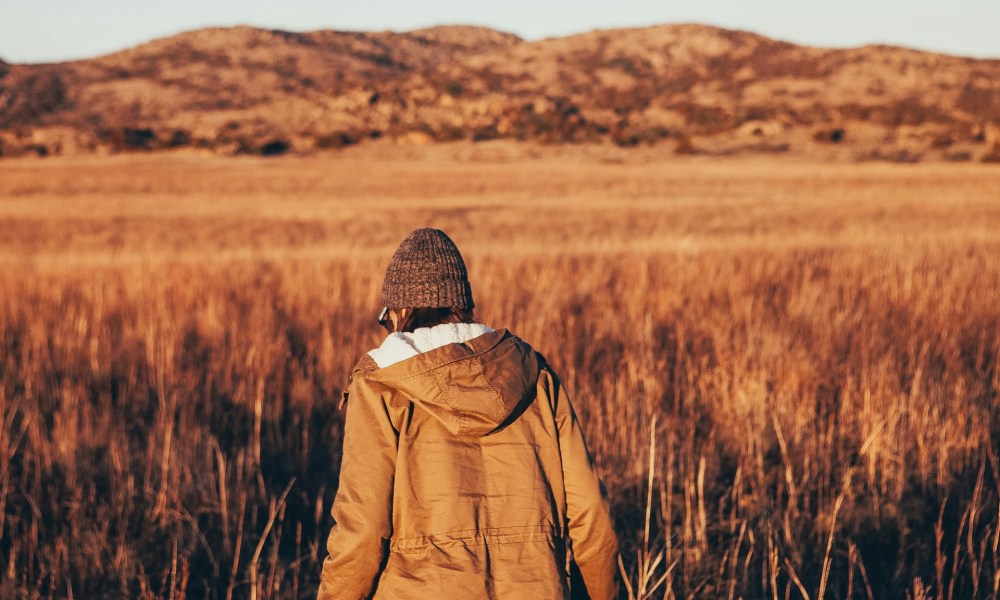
(337,139)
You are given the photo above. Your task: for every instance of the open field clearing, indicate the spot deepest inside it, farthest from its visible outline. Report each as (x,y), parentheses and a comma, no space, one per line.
(817,346)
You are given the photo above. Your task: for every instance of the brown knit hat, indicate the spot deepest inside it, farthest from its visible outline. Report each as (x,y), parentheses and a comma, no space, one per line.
(427,271)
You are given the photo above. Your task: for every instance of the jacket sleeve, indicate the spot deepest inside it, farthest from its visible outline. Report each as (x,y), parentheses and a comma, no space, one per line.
(362,510)
(592,535)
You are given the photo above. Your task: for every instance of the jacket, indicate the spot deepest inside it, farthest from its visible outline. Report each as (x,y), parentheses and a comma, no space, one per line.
(465,474)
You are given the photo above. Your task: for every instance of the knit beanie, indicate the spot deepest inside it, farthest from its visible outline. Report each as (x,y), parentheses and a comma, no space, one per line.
(427,271)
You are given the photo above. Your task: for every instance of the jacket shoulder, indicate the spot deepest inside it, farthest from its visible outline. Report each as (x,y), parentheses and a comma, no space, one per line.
(543,364)
(365,365)
(548,382)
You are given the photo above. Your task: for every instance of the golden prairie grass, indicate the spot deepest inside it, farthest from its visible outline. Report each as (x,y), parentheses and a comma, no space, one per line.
(788,374)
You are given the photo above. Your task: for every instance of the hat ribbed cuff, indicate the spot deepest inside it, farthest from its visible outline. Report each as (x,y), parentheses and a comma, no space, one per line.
(444,294)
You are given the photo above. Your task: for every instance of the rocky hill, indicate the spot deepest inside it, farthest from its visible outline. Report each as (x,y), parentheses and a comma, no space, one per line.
(685,88)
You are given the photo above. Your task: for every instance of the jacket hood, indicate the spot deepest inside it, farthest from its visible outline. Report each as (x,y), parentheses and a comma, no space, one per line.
(473,388)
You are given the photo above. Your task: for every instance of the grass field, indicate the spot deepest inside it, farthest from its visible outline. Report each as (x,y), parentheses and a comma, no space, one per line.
(817,346)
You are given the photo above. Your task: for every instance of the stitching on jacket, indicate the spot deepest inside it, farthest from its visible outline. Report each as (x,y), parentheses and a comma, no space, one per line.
(446,394)
(497,399)
(486,486)
(509,340)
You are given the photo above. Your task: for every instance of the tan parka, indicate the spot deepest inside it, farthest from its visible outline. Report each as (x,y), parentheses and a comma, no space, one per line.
(465,475)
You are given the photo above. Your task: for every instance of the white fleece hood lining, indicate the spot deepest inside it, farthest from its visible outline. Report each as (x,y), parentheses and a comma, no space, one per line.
(400,346)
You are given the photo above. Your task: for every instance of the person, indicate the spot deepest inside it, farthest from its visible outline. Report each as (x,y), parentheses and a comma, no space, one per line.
(464,472)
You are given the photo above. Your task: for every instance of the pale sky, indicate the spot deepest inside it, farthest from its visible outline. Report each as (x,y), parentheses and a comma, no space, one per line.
(54,30)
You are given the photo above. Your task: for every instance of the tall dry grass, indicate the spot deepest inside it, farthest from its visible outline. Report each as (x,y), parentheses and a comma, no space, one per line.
(788,377)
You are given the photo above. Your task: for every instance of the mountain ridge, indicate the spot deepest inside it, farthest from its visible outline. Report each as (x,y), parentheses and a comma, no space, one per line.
(688,87)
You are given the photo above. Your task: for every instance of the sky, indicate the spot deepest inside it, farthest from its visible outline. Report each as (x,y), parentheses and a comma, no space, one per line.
(56,30)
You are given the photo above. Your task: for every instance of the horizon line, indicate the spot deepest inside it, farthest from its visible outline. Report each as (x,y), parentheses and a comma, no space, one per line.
(525,39)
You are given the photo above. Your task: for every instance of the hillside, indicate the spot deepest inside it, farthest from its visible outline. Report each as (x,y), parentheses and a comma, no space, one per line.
(687,88)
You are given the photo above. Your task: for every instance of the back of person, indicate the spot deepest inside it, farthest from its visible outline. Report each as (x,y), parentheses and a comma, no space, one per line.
(464,473)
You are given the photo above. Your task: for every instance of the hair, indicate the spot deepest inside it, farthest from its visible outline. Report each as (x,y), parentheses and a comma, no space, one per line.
(429,317)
